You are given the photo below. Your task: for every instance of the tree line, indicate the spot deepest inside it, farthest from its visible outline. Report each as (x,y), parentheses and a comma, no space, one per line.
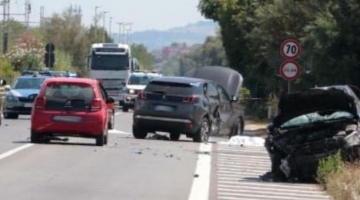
(72,40)
(251,32)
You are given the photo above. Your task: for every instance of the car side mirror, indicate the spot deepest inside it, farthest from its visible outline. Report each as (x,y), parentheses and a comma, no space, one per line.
(110,100)
(123,83)
(7,88)
(2,82)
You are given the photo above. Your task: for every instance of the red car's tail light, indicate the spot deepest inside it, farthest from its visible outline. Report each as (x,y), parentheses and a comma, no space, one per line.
(141,95)
(40,103)
(96,105)
(190,99)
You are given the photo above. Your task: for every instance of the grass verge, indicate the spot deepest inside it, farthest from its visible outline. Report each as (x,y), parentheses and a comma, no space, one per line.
(341,180)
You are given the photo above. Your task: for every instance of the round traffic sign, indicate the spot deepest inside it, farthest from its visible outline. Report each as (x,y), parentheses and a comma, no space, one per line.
(290,49)
(290,70)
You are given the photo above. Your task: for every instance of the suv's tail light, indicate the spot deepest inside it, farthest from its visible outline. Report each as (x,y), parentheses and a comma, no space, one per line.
(96,105)
(190,99)
(40,103)
(141,95)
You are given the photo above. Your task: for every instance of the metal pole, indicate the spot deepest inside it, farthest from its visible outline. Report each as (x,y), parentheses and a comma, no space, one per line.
(110,24)
(120,24)
(104,31)
(96,18)
(289,87)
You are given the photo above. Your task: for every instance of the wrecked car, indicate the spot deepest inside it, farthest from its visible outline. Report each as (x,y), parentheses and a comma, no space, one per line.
(311,125)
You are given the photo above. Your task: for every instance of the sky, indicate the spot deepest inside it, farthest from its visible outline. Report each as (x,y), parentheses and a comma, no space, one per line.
(143,14)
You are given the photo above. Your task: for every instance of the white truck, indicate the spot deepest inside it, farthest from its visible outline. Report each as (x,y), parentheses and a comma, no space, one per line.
(111,63)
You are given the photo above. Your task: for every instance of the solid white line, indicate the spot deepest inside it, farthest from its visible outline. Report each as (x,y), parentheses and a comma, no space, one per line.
(114,131)
(201,183)
(13,151)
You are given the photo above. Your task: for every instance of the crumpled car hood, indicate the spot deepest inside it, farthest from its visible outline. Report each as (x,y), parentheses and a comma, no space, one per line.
(228,78)
(312,100)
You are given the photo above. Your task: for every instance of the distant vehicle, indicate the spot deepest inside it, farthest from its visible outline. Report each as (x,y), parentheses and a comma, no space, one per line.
(78,107)
(21,95)
(50,73)
(2,83)
(180,105)
(313,124)
(111,63)
(135,84)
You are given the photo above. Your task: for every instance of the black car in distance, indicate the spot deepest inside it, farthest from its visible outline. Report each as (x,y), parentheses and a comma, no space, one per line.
(183,105)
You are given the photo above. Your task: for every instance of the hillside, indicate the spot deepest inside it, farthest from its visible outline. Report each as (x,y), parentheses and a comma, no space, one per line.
(190,34)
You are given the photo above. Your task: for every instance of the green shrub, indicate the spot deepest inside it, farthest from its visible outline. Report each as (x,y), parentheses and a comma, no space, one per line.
(329,166)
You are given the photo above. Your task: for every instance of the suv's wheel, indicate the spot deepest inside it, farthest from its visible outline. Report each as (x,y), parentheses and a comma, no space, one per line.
(34,137)
(202,135)
(139,133)
(11,116)
(175,136)
(125,107)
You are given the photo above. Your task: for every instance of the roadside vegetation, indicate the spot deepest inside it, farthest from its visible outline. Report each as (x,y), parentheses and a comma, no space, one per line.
(72,39)
(341,180)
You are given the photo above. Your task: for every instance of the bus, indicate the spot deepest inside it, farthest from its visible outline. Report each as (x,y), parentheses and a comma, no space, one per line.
(111,64)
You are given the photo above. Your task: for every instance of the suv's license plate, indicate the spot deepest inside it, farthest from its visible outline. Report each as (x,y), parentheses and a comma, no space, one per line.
(67,118)
(163,108)
(28,105)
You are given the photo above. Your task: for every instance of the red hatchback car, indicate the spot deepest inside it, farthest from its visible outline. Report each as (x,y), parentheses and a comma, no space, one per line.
(77,107)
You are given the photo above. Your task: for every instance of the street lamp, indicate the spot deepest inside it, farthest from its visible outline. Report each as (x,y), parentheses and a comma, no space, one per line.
(104,18)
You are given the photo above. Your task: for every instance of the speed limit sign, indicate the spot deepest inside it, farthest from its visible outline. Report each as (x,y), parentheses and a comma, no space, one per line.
(290,49)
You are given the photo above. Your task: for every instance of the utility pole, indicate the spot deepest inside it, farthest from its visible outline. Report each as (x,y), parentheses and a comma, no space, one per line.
(42,15)
(27,13)
(6,16)
(96,19)
(104,31)
(128,33)
(120,33)
(110,24)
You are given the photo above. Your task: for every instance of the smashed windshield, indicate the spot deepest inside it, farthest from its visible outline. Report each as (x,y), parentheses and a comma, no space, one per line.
(28,83)
(316,117)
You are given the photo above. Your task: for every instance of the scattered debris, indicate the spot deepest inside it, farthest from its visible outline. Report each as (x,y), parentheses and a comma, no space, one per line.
(245,141)
(196,175)
(159,137)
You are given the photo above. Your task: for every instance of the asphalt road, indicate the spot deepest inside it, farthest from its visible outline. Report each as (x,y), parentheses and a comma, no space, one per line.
(124,169)
(131,169)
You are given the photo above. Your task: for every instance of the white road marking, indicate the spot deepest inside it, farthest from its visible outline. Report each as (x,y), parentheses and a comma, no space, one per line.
(14,151)
(201,183)
(238,170)
(118,113)
(114,131)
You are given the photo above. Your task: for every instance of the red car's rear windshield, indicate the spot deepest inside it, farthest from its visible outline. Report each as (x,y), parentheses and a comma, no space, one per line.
(68,96)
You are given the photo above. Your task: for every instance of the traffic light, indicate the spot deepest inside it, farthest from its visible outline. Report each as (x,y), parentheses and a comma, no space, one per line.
(49,55)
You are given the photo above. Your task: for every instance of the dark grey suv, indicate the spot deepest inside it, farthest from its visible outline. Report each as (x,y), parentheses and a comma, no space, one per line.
(191,106)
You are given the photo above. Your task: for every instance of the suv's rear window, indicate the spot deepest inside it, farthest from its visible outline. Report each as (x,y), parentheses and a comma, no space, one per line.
(69,96)
(170,88)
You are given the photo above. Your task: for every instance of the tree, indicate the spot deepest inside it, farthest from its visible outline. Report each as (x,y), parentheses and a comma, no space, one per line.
(144,58)
(27,53)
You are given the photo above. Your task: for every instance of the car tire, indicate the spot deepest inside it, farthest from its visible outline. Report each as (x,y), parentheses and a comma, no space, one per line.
(175,136)
(202,135)
(100,140)
(139,133)
(111,123)
(238,128)
(34,137)
(11,116)
(121,103)
(125,108)
(106,139)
